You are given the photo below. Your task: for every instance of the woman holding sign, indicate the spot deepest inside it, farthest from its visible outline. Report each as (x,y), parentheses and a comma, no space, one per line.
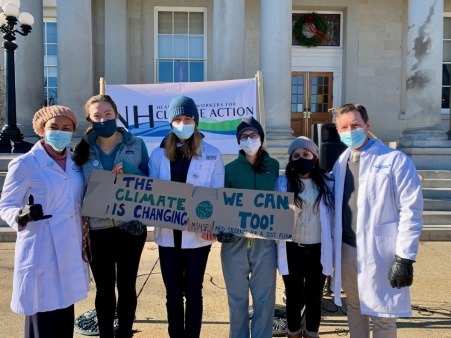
(41,200)
(307,259)
(116,246)
(250,263)
(184,157)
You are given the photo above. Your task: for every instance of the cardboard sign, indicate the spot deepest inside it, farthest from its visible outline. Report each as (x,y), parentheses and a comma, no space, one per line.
(155,202)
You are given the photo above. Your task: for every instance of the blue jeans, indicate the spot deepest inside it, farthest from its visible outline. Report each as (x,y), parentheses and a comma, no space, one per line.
(183,276)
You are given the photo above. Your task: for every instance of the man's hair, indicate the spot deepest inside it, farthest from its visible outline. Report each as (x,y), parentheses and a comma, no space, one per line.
(350,107)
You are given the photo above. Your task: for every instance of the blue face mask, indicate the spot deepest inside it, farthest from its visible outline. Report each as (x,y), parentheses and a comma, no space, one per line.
(58,139)
(183,131)
(106,128)
(354,138)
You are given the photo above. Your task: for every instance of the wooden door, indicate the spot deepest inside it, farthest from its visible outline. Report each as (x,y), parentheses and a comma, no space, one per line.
(311,98)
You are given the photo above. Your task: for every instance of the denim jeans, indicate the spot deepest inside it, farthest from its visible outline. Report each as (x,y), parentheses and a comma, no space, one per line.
(183,275)
(115,260)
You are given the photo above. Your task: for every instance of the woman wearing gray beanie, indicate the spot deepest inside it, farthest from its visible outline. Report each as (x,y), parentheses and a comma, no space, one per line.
(184,157)
(250,264)
(305,262)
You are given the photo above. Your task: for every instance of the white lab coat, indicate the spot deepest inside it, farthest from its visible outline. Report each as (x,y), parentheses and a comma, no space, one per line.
(49,272)
(205,171)
(326,220)
(389,222)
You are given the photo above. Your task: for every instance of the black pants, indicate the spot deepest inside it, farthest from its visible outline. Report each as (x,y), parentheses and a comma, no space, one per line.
(304,286)
(115,260)
(52,324)
(183,275)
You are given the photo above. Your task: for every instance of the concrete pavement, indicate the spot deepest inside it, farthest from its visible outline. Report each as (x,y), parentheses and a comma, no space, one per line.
(431,298)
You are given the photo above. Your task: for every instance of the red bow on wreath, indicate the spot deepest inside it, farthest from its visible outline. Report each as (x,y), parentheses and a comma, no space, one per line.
(309,30)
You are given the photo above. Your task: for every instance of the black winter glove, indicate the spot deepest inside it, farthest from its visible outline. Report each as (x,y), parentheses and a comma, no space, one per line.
(31,212)
(401,272)
(225,237)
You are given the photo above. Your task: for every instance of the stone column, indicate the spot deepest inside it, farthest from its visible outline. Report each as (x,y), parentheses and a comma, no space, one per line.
(116,42)
(75,54)
(29,60)
(423,87)
(275,56)
(228,39)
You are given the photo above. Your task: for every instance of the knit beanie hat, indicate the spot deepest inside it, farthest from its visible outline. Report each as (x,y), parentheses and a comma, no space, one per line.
(303,142)
(183,105)
(250,124)
(46,113)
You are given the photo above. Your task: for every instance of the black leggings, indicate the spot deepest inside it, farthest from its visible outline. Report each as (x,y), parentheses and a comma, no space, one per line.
(304,286)
(115,259)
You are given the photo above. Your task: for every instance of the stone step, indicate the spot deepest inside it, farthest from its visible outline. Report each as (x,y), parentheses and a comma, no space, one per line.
(437,193)
(436,233)
(437,204)
(431,174)
(436,217)
(5,159)
(438,183)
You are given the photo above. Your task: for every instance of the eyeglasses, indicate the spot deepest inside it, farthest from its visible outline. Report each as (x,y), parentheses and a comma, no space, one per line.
(252,136)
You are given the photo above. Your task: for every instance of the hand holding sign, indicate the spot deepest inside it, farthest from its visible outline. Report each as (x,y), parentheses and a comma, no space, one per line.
(31,212)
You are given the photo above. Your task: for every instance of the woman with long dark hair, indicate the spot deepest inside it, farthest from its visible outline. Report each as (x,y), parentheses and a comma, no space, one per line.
(116,246)
(307,259)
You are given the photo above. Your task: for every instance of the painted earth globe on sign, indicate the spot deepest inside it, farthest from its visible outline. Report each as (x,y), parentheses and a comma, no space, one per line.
(204,210)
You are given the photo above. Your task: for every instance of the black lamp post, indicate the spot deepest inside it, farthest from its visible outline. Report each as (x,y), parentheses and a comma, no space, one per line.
(11,139)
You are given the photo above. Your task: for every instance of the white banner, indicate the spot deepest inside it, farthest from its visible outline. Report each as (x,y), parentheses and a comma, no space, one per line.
(221,105)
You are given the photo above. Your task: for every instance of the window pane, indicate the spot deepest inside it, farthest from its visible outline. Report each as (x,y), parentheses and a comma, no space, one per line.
(445,98)
(180,23)
(50,60)
(196,47)
(196,71)
(165,73)
(52,96)
(52,71)
(196,23)
(52,81)
(51,32)
(294,80)
(446,75)
(181,71)
(447,28)
(51,49)
(165,46)
(446,51)
(181,46)
(164,22)
(294,89)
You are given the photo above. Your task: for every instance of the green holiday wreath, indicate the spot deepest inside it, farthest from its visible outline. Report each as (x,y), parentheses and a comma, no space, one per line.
(310,30)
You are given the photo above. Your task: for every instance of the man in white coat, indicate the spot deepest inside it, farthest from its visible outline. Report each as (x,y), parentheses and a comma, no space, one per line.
(378,220)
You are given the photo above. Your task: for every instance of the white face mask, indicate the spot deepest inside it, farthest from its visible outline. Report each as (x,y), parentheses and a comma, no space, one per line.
(250,146)
(183,131)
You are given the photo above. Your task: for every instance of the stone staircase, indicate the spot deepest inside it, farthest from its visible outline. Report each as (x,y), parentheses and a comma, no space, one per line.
(437,205)
(436,192)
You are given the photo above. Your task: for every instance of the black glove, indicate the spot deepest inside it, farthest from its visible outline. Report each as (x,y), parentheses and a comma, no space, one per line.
(31,212)
(225,237)
(401,272)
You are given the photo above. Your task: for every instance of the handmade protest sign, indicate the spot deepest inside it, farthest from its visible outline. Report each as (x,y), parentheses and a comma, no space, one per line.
(254,213)
(247,213)
(131,197)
